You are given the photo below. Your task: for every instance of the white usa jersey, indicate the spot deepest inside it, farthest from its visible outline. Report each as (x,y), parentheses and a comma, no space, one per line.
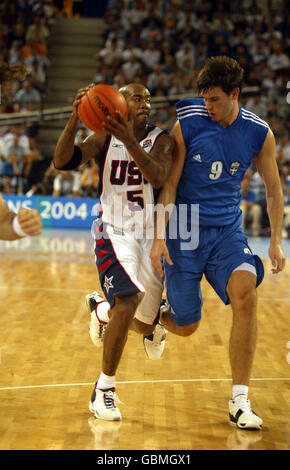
(127,199)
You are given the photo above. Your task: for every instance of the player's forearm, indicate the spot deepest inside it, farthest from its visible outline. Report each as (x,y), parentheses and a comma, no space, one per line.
(7,231)
(65,145)
(275,208)
(154,171)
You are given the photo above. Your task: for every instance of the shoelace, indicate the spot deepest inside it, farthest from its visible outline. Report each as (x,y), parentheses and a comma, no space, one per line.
(158,335)
(102,330)
(110,398)
(244,404)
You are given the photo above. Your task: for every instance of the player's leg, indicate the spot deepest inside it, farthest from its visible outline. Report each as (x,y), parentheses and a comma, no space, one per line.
(117,331)
(104,399)
(167,319)
(184,299)
(117,258)
(242,293)
(100,312)
(241,290)
(183,287)
(123,293)
(147,316)
(234,272)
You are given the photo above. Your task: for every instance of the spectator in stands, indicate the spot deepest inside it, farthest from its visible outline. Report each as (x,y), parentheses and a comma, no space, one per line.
(12,167)
(2,155)
(157,80)
(151,31)
(151,55)
(37,34)
(15,53)
(131,68)
(283,147)
(253,205)
(257,104)
(185,55)
(169,66)
(20,130)
(82,134)
(37,76)
(261,54)
(176,86)
(110,52)
(89,181)
(278,60)
(285,183)
(28,98)
(66,184)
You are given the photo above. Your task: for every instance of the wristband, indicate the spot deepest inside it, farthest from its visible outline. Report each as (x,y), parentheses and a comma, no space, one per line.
(17,229)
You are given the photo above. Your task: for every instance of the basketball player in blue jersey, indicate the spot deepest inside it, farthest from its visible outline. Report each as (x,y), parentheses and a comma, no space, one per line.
(216,143)
(134,157)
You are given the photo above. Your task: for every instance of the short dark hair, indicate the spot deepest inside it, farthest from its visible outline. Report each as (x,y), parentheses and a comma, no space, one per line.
(220,71)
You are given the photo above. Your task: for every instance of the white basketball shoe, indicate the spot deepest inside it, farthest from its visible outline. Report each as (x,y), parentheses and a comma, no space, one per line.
(103,405)
(241,414)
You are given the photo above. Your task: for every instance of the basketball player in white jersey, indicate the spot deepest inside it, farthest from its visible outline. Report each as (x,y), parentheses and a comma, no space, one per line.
(27,222)
(134,158)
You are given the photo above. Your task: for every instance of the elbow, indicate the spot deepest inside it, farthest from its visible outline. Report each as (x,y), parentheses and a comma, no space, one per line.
(157,184)
(160,179)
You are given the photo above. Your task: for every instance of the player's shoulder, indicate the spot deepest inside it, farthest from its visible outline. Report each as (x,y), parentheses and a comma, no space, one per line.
(191,108)
(252,120)
(152,128)
(157,136)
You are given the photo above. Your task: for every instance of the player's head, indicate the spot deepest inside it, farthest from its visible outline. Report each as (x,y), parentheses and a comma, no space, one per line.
(138,100)
(220,71)
(220,83)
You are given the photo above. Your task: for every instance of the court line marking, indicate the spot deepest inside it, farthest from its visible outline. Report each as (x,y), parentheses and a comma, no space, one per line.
(60,289)
(28,387)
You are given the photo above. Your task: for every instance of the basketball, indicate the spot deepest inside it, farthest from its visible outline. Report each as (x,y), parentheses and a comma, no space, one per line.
(99,102)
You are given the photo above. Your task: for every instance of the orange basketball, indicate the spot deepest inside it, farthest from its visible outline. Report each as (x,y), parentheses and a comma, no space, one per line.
(99,102)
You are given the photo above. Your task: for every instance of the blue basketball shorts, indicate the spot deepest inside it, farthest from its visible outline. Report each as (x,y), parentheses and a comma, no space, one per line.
(220,250)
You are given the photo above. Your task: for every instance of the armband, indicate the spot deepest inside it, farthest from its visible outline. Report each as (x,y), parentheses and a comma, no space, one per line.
(74,162)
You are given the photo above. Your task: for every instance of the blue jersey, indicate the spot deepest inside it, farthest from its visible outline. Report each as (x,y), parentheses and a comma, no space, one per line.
(216,160)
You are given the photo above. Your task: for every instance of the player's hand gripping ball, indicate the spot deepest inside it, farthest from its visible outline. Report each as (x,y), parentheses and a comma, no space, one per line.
(99,102)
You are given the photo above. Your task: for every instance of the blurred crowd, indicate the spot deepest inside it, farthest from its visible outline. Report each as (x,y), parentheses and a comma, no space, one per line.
(162,44)
(24,33)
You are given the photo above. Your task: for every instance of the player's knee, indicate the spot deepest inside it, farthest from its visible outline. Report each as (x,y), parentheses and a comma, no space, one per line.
(187,330)
(245,300)
(125,307)
(241,288)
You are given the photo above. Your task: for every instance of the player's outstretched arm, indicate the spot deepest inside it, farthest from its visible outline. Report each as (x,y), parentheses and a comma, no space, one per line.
(267,167)
(12,226)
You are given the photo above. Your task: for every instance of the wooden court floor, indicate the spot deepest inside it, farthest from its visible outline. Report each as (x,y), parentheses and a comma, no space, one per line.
(48,366)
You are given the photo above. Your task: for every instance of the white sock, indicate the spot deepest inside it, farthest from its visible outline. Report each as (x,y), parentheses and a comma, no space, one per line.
(106,381)
(240,390)
(102,311)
